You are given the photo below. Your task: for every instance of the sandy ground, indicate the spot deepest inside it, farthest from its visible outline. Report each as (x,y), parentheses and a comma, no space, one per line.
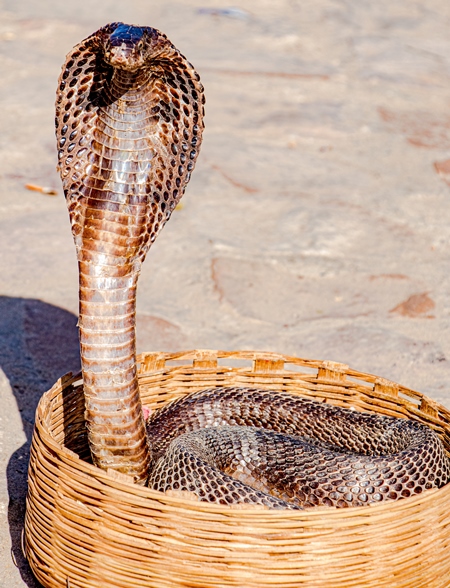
(316,223)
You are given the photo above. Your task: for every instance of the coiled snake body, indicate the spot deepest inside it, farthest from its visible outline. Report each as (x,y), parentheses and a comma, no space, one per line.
(301,452)
(129,122)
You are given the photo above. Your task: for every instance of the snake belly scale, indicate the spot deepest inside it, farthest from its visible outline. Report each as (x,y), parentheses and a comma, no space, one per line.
(129,123)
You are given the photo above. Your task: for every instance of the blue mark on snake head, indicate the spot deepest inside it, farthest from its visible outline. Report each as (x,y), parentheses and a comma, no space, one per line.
(128,34)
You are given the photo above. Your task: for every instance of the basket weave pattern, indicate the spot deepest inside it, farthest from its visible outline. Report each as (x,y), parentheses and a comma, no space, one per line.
(88,528)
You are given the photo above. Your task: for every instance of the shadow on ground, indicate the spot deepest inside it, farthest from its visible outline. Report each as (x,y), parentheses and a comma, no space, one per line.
(38,344)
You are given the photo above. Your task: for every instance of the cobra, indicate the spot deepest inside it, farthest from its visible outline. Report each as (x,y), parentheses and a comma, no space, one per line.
(129,123)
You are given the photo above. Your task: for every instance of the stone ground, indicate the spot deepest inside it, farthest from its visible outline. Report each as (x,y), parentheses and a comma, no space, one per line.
(316,223)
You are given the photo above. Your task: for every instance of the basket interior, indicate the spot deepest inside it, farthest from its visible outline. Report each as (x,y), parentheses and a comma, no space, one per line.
(164,377)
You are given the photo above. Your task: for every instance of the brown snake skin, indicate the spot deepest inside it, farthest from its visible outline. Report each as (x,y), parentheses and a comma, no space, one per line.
(129,122)
(129,113)
(284,451)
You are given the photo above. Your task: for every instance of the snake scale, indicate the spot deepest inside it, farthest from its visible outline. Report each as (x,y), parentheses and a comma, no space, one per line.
(129,122)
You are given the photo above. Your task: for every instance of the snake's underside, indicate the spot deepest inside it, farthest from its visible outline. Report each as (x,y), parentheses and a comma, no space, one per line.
(243,445)
(129,122)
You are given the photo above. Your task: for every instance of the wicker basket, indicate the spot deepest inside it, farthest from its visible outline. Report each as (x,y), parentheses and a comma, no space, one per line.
(87,528)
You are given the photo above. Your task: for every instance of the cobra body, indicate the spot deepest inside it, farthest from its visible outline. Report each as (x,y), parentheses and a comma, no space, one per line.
(128,126)
(129,121)
(244,445)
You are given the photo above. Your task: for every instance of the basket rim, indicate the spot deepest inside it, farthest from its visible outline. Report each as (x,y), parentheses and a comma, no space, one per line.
(141,494)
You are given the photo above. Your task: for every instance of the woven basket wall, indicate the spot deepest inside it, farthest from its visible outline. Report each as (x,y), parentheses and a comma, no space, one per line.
(87,528)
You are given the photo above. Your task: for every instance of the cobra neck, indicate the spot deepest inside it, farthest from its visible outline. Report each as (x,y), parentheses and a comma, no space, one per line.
(116,432)
(127,85)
